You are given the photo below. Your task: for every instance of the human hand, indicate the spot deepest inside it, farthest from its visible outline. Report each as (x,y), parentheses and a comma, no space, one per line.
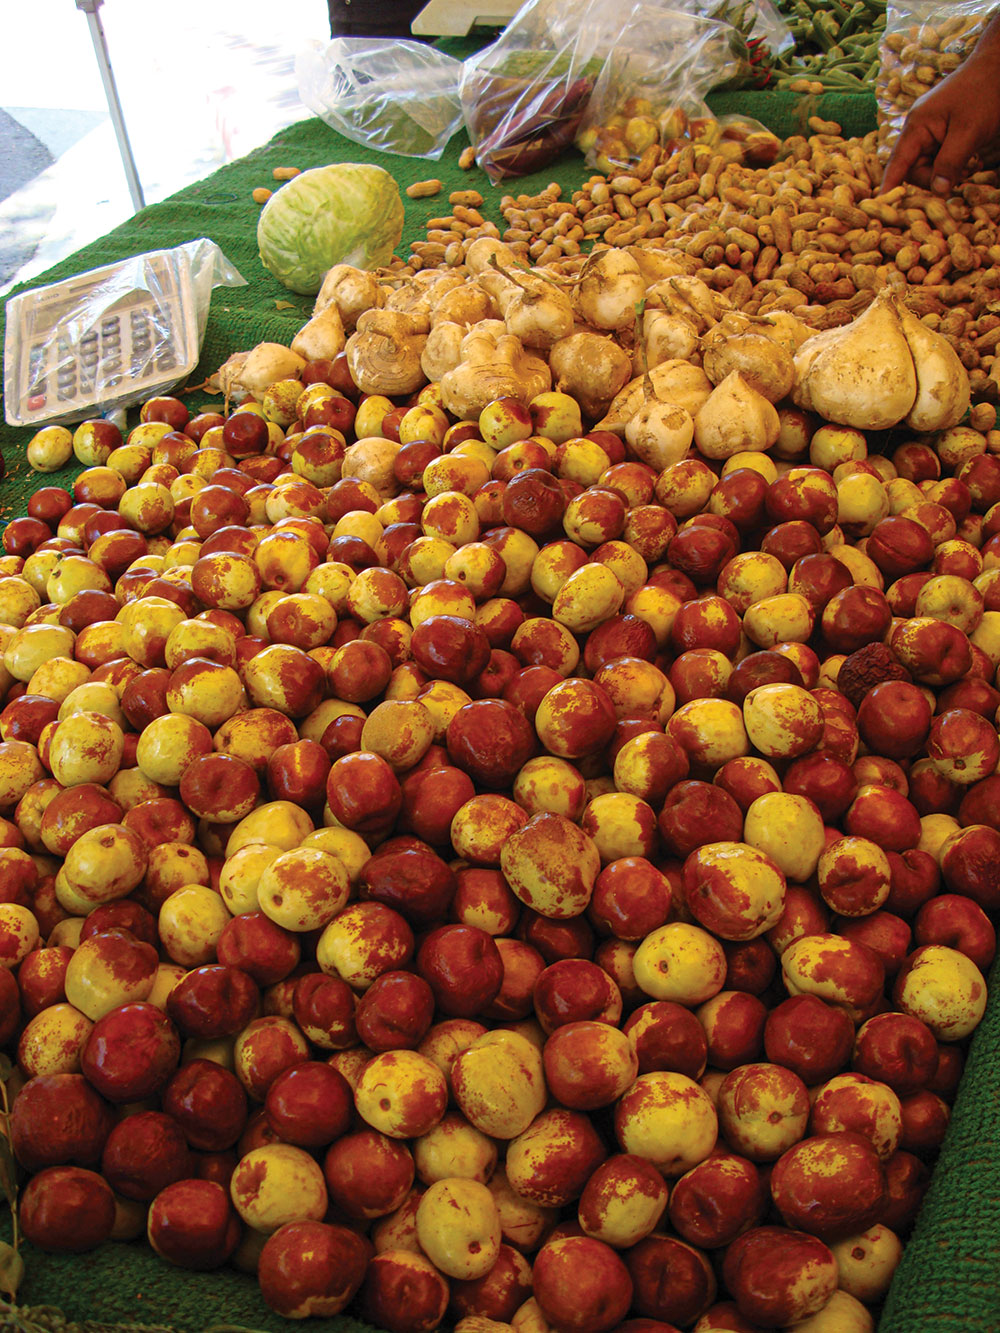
(948,127)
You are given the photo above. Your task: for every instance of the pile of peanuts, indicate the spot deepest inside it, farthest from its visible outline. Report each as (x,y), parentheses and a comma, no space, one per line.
(810,233)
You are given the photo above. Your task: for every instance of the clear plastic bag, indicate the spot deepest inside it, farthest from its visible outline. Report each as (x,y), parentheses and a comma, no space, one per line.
(662,65)
(393,96)
(112,337)
(925,40)
(768,26)
(524,95)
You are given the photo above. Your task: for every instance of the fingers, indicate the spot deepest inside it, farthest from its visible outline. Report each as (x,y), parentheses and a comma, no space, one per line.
(916,141)
(952,160)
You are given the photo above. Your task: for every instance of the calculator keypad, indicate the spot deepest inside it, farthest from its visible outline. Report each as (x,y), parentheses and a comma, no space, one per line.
(143,340)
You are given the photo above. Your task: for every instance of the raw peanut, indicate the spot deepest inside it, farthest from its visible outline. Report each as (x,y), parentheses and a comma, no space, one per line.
(646,165)
(937,212)
(467,158)
(284,173)
(869,240)
(961,253)
(850,215)
(819,126)
(470,215)
(744,239)
(622,233)
(596,223)
(466,198)
(802,283)
(983,417)
(703,240)
(864,275)
(782,230)
(767,261)
(428,250)
(933,250)
(672,194)
(686,160)
(424,189)
(907,257)
(884,212)
(261,195)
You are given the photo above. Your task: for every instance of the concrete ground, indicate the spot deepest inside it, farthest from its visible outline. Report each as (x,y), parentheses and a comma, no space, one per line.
(201,82)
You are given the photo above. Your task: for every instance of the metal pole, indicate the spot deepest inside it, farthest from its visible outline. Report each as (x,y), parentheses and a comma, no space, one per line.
(90,8)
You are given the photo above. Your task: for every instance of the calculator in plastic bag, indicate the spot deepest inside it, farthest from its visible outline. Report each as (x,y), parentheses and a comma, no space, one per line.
(111,337)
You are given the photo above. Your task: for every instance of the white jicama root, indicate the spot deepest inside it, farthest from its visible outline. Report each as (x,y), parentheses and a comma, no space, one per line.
(267,363)
(485,253)
(420,297)
(467,304)
(942,381)
(861,374)
(655,265)
(677,382)
(322,337)
(352,290)
(590,368)
(492,367)
(536,311)
(736,419)
(660,434)
(442,350)
(609,290)
(227,378)
(383,353)
(691,298)
(764,364)
(665,337)
(784,328)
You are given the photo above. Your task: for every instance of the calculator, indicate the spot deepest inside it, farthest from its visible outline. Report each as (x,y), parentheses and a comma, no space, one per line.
(104,339)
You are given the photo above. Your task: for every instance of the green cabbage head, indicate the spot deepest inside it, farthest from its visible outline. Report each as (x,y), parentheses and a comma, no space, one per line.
(347,213)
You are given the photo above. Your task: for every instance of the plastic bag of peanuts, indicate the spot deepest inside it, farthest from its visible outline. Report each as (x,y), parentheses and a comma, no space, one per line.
(924,41)
(663,62)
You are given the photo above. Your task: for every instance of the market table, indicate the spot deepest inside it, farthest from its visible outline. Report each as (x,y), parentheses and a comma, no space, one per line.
(949,1279)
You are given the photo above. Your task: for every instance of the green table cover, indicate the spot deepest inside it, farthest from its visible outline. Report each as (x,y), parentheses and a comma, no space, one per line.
(949,1279)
